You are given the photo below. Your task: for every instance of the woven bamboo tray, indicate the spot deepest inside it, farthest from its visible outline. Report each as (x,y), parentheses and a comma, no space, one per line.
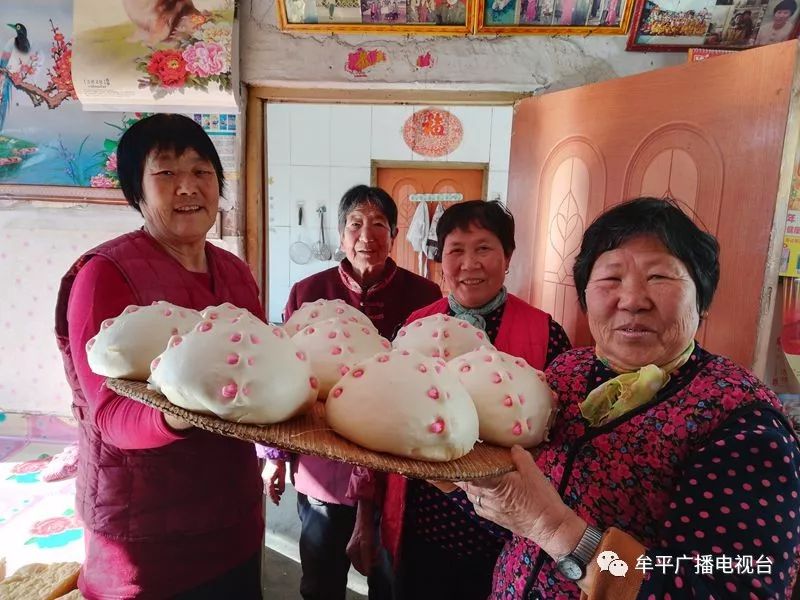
(310,434)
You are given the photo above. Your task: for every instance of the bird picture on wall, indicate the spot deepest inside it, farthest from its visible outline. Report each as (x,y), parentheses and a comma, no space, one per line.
(22,69)
(25,79)
(17,45)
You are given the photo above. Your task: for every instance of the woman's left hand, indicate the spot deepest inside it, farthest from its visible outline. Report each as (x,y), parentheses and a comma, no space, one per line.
(526,503)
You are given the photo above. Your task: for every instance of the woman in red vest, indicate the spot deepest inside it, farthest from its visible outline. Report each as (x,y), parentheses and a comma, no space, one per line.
(169,511)
(440,547)
(670,472)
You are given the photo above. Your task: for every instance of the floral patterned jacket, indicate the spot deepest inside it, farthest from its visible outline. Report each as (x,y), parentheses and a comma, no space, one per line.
(704,473)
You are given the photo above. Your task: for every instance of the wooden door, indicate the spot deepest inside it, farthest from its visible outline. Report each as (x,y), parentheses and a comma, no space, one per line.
(709,134)
(401,182)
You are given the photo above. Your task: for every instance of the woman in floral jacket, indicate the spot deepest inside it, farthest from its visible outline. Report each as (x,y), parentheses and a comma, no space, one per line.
(671,472)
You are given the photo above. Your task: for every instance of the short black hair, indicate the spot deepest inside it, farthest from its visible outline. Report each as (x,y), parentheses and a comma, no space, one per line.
(664,219)
(492,216)
(161,133)
(789,5)
(364,194)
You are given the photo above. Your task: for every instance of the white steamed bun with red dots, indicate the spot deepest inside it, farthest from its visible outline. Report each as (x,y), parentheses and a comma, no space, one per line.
(239,369)
(333,346)
(225,310)
(321,310)
(441,336)
(515,405)
(126,345)
(406,404)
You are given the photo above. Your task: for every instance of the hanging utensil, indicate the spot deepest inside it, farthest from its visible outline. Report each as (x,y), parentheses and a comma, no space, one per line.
(300,252)
(321,249)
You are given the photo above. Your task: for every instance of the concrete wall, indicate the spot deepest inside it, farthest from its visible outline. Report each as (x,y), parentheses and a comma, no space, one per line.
(528,63)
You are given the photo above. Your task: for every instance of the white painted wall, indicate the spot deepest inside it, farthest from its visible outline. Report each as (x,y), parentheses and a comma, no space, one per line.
(38,243)
(37,246)
(316,152)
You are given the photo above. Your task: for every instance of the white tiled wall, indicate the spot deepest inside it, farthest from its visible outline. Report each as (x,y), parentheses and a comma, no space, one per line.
(317,152)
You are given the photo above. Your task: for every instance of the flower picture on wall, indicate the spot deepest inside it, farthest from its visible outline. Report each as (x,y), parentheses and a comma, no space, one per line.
(726,24)
(554,16)
(131,55)
(201,59)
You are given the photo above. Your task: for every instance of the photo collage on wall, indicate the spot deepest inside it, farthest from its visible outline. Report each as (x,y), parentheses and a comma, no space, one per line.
(555,13)
(734,24)
(372,12)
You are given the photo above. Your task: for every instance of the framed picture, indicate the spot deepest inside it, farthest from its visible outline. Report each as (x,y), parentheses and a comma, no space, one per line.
(430,17)
(701,54)
(673,25)
(547,17)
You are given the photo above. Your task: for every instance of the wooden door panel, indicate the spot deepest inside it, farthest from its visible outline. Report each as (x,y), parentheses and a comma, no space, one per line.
(709,134)
(667,164)
(447,185)
(401,182)
(403,254)
(573,181)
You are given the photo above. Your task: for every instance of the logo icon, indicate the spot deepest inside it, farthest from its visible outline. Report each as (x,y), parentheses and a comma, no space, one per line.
(611,562)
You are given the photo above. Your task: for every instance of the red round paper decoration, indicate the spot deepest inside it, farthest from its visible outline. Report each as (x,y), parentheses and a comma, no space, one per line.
(433,132)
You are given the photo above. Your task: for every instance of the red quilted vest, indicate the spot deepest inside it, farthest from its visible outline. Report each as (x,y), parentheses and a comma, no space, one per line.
(524,332)
(201,484)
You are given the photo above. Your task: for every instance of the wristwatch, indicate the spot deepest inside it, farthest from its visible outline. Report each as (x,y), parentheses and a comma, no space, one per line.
(573,565)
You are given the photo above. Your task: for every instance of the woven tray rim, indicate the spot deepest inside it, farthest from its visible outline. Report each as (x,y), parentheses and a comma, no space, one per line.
(309,434)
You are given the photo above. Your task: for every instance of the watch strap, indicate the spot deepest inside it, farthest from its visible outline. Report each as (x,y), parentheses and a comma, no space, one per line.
(587,545)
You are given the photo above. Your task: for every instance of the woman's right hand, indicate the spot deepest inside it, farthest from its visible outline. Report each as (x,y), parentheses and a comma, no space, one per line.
(274,476)
(176,423)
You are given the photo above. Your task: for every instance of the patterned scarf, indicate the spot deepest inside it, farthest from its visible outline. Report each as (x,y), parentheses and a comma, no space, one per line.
(474,316)
(628,390)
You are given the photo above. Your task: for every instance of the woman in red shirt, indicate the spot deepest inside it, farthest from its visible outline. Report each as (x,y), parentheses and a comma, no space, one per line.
(169,511)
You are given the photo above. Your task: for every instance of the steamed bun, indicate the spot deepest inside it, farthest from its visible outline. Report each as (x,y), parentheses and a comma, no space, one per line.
(126,345)
(515,405)
(239,369)
(321,310)
(333,346)
(225,310)
(406,404)
(441,336)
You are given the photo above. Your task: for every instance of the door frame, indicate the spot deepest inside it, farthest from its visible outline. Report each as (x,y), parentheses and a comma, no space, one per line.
(374,165)
(255,211)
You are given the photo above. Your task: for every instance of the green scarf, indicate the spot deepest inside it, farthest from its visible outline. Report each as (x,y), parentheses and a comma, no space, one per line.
(628,390)
(474,316)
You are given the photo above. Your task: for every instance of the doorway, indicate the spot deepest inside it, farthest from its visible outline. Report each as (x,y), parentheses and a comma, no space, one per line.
(317,151)
(402,180)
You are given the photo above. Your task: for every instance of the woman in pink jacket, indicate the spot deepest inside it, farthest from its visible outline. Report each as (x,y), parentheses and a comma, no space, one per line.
(440,548)
(333,496)
(169,511)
